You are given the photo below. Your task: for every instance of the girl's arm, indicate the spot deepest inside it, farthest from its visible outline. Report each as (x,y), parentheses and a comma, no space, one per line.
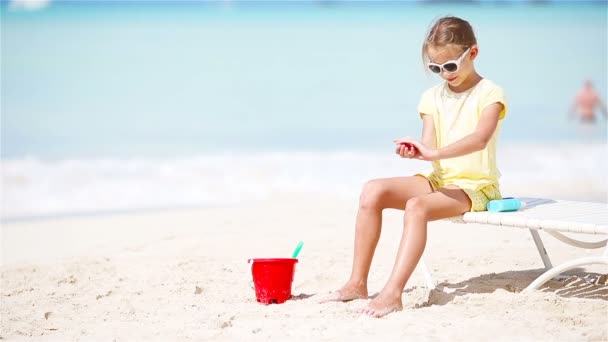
(428,139)
(473,142)
(428,131)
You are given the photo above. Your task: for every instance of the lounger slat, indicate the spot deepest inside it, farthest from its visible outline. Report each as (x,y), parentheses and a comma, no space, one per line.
(494,219)
(601,229)
(546,214)
(514,221)
(533,223)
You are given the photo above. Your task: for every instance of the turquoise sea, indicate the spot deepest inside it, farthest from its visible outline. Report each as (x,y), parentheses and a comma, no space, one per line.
(122,105)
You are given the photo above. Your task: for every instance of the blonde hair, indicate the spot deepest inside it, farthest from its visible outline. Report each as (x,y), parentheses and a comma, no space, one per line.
(449,31)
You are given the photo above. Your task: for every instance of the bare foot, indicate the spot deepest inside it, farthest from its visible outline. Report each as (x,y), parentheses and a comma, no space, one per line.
(345,294)
(382,306)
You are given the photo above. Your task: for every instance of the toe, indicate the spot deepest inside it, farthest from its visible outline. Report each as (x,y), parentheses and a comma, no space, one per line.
(367,311)
(340,296)
(332,297)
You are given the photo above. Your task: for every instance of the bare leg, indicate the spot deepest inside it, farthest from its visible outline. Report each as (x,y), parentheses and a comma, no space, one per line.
(376,196)
(437,205)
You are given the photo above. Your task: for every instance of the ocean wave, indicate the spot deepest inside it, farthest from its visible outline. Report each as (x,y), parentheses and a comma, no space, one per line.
(33,187)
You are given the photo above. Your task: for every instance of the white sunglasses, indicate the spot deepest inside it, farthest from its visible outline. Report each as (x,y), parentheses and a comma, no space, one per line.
(449,66)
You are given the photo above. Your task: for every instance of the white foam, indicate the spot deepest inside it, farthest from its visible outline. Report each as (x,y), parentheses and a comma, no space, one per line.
(32,187)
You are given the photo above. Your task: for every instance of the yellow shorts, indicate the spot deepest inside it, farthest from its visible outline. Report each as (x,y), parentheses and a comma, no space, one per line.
(479,199)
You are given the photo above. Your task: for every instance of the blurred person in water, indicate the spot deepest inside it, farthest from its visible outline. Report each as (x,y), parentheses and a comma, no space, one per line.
(585,102)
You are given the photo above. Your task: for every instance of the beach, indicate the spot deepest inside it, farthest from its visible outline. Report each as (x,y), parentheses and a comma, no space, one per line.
(160,145)
(183,275)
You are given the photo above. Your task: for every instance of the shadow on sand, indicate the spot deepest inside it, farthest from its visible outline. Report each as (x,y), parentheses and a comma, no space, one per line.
(576,283)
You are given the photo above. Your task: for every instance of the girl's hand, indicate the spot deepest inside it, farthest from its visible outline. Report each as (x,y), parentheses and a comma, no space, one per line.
(406,150)
(419,150)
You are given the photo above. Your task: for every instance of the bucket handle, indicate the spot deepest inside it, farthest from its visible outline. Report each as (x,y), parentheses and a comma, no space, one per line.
(250,262)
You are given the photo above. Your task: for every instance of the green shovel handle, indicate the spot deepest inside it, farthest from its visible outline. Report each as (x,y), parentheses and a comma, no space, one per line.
(297,250)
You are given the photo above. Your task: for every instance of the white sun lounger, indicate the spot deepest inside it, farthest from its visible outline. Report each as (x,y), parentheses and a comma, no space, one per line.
(555,218)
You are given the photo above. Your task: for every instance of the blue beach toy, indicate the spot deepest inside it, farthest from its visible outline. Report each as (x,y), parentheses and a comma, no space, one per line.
(507,204)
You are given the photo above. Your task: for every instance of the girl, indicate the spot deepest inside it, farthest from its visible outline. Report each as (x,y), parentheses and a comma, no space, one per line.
(460,128)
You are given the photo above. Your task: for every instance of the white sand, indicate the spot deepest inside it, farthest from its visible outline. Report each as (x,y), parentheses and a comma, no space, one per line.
(180,275)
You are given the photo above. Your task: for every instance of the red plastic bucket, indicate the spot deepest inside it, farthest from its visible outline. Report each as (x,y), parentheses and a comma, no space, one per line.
(272,279)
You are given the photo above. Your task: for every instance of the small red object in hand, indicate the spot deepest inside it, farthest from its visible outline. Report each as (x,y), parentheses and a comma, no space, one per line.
(409,146)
